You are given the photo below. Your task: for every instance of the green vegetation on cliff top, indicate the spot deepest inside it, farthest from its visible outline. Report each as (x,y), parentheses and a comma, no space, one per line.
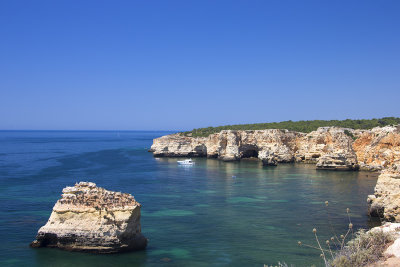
(298,126)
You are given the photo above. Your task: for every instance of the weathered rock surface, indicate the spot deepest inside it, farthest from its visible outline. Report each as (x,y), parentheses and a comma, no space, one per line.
(272,146)
(330,148)
(229,145)
(92,219)
(378,148)
(385,203)
(342,162)
(176,145)
(392,253)
(325,140)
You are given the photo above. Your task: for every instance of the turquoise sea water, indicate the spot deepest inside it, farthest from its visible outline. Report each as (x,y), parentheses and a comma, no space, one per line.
(211,214)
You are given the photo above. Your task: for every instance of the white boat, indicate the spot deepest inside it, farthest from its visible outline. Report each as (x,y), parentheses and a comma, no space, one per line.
(186,162)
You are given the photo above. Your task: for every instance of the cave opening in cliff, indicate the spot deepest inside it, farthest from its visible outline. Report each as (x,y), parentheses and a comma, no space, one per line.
(248,151)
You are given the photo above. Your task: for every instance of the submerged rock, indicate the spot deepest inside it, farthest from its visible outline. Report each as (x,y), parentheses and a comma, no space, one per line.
(270,161)
(91,219)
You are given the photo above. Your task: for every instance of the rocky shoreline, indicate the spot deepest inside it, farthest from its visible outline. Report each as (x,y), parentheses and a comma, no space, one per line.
(329,148)
(91,219)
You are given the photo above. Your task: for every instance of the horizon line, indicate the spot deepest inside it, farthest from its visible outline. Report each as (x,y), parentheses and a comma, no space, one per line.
(81,130)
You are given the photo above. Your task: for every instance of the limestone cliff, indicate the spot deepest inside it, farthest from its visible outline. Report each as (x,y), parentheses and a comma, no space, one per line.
(327,147)
(92,219)
(378,148)
(385,202)
(330,148)
(271,146)
(176,145)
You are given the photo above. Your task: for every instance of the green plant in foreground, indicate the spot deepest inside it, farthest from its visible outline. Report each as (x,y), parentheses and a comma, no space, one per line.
(364,248)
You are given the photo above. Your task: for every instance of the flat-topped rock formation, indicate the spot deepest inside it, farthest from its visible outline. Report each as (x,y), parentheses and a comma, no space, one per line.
(92,219)
(338,161)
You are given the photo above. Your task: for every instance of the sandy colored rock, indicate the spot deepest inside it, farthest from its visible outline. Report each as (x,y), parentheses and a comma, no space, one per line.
(378,148)
(385,203)
(329,148)
(271,146)
(91,219)
(324,141)
(177,145)
(392,252)
(338,161)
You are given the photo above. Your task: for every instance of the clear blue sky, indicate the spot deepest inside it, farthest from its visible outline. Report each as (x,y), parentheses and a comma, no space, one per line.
(176,65)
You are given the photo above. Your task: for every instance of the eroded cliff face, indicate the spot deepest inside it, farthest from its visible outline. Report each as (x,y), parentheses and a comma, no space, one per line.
(229,145)
(277,144)
(378,148)
(385,202)
(91,219)
(329,148)
(176,145)
(329,144)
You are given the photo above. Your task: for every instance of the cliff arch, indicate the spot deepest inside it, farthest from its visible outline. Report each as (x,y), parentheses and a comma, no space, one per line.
(199,151)
(248,151)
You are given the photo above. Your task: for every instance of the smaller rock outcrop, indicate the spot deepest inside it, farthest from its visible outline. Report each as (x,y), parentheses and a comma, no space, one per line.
(91,219)
(338,162)
(270,160)
(177,145)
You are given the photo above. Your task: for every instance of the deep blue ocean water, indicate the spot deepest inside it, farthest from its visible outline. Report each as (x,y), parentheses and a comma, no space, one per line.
(211,214)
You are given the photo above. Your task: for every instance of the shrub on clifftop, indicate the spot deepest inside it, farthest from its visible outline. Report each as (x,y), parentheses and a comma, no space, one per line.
(298,126)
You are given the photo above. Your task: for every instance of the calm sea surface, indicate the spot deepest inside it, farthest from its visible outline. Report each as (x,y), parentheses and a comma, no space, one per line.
(211,214)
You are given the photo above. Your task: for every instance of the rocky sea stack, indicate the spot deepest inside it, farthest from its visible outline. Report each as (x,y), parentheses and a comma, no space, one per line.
(91,219)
